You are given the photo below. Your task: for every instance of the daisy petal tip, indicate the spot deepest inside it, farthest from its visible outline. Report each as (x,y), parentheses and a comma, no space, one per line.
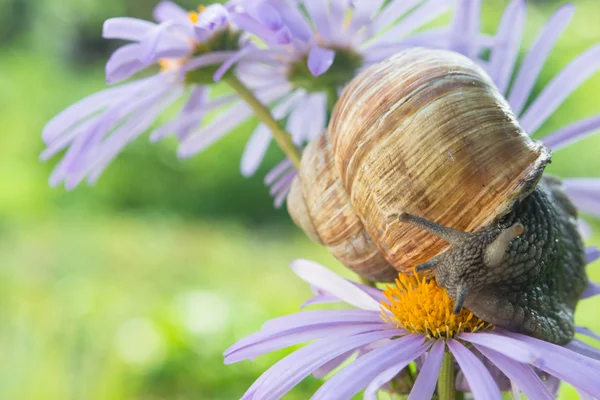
(320,60)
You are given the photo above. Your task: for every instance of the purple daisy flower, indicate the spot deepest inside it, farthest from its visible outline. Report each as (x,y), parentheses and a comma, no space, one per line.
(584,192)
(317,53)
(191,48)
(412,322)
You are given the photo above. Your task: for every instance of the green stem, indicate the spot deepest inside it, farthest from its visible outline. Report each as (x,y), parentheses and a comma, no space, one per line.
(446,389)
(332,98)
(283,138)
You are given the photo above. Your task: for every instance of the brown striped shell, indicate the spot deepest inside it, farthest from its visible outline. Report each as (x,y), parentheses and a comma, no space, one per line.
(424,132)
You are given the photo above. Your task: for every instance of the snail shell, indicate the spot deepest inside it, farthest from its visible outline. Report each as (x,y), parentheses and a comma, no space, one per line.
(427,133)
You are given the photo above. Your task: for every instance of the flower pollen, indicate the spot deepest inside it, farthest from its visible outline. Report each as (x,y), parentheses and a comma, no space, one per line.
(421,306)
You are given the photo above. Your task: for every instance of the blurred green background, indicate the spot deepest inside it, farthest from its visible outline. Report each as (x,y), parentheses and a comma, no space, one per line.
(133,288)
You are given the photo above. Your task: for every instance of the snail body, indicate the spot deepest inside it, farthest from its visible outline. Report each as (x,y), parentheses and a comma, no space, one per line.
(424,164)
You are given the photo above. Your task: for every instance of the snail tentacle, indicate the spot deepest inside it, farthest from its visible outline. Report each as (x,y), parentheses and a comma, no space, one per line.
(450,235)
(495,251)
(461,294)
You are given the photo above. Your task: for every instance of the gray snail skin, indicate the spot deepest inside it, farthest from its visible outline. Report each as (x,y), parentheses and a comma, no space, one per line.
(424,165)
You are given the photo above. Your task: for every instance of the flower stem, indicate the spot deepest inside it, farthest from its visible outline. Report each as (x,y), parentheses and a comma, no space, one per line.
(283,138)
(446,389)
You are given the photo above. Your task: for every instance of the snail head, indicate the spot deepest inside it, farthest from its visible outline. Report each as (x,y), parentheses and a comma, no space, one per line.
(474,260)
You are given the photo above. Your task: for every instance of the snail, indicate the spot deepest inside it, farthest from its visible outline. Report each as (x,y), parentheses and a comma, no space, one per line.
(425,166)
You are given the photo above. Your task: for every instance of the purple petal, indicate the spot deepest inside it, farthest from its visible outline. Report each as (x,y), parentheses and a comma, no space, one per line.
(231,61)
(338,9)
(320,60)
(127,28)
(584,193)
(320,299)
(425,13)
(251,25)
(428,374)
(320,18)
(536,58)
(255,150)
(322,316)
(580,371)
(161,42)
(294,19)
(266,14)
(317,116)
(74,114)
(214,131)
(330,282)
(572,133)
(280,198)
(521,352)
(584,396)
(527,380)
(592,254)
(282,184)
(135,125)
(363,14)
(553,95)
(330,365)
(169,11)
(508,41)
(267,342)
(280,169)
(212,58)
(214,17)
(480,381)
(585,331)
(287,373)
(224,123)
(584,349)
(592,290)
(391,13)
(465,27)
(378,367)
(123,63)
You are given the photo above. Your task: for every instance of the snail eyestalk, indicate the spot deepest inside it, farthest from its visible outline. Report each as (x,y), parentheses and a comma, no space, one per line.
(461,295)
(282,138)
(450,235)
(495,251)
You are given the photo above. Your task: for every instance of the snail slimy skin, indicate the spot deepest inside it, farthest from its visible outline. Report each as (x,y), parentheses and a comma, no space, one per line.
(424,164)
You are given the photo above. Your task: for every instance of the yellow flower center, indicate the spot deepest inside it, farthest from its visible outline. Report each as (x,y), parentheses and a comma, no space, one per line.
(193,15)
(421,306)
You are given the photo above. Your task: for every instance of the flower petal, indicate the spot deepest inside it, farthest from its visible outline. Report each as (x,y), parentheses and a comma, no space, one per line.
(267,342)
(584,193)
(422,15)
(320,18)
(320,60)
(592,254)
(508,41)
(287,373)
(377,366)
(536,58)
(584,349)
(560,361)
(429,372)
(127,28)
(553,95)
(572,133)
(592,290)
(169,11)
(585,331)
(465,28)
(524,377)
(515,349)
(329,281)
(480,381)
(280,169)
